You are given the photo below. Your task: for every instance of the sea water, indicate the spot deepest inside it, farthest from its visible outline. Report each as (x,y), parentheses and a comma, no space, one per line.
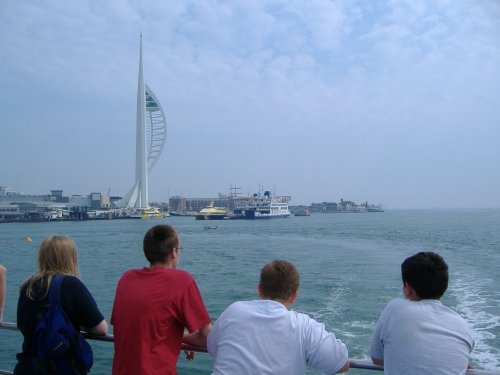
(349,266)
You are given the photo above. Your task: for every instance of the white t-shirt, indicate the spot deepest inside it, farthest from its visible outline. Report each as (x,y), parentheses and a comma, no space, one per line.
(264,337)
(421,337)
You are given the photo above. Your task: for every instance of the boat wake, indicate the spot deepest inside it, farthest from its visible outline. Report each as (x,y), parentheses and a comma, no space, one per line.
(348,319)
(479,304)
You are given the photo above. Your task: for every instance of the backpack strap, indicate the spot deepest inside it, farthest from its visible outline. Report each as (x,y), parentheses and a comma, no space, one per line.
(55,290)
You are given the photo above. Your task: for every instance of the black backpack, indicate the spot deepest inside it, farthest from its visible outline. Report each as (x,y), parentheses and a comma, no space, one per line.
(59,348)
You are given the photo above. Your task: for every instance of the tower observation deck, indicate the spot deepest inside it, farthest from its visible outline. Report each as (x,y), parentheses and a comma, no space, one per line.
(151,133)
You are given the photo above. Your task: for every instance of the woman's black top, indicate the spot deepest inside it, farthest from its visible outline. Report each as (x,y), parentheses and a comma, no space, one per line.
(76,301)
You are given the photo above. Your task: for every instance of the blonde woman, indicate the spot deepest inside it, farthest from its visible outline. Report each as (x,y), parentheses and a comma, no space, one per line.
(57,256)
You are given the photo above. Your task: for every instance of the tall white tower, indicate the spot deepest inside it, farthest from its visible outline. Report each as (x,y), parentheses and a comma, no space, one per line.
(151,133)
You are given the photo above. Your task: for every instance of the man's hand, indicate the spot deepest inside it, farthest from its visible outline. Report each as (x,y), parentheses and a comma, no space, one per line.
(198,338)
(189,355)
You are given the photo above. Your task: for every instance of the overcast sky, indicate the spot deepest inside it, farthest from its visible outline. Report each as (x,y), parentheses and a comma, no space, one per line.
(391,102)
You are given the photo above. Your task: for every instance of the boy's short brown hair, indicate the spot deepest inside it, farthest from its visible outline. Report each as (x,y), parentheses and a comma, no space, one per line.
(159,241)
(279,279)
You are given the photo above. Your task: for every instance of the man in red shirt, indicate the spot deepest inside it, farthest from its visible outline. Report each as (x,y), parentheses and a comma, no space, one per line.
(152,307)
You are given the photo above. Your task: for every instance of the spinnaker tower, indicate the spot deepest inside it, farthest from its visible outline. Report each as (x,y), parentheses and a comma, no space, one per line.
(151,133)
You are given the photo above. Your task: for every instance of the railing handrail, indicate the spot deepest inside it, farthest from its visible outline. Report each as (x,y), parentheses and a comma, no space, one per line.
(354,363)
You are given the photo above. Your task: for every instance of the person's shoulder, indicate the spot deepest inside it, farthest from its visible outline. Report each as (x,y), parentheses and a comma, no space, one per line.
(177,276)
(309,327)
(239,306)
(131,273)
(73,288)
(452,314)
(399,303)
(72,284)
(304,318)
(181,274)
(69,280)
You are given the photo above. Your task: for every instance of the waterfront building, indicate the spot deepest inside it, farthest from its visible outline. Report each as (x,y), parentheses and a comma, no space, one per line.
(151,132)
(341,207)
(325,207)
(54,206)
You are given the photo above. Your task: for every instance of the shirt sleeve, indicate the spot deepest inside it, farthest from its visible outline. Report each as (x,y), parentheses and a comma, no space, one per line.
(79,303)
(324,351)
(376,348)
(193,310)
(213,338)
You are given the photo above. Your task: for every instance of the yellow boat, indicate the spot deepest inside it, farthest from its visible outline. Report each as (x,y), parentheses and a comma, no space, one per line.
(149,213)
(212,213)
(152,213)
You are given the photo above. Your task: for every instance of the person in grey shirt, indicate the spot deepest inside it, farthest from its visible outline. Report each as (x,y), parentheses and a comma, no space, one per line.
(265,337)
(3,272)
(418,334)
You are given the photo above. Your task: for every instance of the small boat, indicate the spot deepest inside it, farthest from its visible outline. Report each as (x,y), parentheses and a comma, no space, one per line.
(374,208)
(210,227)
(302,213)
(27,239)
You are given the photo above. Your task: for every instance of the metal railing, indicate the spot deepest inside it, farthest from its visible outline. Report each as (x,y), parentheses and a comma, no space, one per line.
(354,363)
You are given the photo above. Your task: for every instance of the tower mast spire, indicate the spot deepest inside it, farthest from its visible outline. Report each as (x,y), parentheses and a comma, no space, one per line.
(151,133)
(141,163)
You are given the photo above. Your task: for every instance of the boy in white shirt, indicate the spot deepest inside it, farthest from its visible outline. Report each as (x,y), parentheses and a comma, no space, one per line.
(418,334)
(265,337)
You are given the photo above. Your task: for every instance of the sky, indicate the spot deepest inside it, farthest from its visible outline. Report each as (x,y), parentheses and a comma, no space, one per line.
(390,102)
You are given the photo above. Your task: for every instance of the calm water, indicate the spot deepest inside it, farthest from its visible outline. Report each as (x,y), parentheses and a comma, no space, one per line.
(349,264)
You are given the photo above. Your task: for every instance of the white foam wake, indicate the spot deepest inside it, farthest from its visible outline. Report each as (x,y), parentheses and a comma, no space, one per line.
(479,304)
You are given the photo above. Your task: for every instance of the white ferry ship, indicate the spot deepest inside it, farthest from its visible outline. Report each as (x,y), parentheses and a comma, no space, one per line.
(261,206)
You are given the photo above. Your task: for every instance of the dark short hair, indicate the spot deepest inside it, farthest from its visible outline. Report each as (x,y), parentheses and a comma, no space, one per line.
(159,242)
(279,279)
(427,274)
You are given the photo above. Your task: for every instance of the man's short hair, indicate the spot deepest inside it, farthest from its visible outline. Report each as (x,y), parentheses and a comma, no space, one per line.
(427,273)
(159,242)
(279,279)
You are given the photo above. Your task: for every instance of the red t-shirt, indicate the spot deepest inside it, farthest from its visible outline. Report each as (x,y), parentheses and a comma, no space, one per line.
(151,309)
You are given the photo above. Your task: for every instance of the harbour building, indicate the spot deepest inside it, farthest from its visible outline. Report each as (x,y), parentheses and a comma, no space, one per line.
(54,206)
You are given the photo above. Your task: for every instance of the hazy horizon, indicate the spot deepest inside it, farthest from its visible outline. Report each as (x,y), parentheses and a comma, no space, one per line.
(394,103)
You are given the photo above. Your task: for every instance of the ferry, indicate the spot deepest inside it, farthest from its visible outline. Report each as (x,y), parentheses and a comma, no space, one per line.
(212,213)
(261,206)
(374,208)
(149,213)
